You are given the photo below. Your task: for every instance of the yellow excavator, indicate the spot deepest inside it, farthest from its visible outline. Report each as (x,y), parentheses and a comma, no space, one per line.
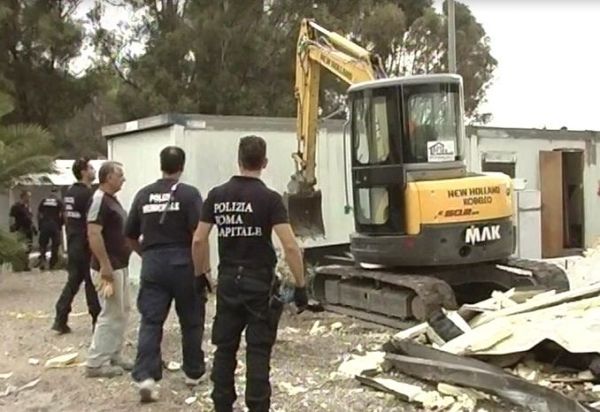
(427,231)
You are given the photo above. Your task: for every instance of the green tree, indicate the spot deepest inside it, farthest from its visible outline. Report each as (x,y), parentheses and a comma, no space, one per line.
(39,43)
(24,149)
(226,57)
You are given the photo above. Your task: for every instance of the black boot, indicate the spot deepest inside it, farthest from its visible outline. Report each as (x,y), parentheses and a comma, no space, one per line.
(61,327)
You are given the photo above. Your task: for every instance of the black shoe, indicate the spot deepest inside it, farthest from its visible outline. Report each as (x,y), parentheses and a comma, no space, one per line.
(61,328)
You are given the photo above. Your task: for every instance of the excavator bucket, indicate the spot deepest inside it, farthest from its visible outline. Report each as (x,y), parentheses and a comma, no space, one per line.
(306,216)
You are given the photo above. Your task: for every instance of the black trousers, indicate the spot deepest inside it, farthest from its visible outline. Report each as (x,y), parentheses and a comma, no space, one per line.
(78,267)
(243,303)
(167,275)
(48,235)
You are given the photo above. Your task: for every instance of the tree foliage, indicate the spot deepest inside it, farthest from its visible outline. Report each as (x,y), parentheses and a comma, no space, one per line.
(39,43)
(24,149)
(226,57)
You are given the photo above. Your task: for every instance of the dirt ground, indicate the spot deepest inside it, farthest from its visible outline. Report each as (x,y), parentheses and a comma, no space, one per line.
(304,365)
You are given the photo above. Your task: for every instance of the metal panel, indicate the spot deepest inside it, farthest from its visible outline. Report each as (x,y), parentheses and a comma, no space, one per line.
(212,159)
(139,154)
(551,178)
(529,222)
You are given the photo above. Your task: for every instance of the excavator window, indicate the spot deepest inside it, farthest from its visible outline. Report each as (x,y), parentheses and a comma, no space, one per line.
(373,206)
(433,124)
(371,127)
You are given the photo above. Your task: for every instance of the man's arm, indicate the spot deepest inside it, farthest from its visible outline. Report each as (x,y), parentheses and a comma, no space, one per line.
(98,248)
(201,248)
(13,218)
(133,226)
(40,214)
(292,252)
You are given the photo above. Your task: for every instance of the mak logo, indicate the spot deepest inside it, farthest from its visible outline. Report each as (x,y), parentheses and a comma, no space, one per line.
(480,234)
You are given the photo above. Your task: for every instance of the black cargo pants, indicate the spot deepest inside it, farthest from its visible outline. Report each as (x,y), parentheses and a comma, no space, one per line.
(78,267)
(168,274)
(49,233)
(243,303)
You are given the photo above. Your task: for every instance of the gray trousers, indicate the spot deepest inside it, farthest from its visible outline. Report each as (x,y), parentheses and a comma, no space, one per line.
(109,335)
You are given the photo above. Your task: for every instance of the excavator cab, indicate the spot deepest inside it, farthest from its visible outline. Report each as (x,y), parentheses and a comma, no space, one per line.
(401,128)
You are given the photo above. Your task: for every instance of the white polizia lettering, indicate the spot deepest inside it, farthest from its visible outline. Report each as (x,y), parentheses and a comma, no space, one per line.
(158,208)
(158,197)
(240,231)
(232,207)
(229,220)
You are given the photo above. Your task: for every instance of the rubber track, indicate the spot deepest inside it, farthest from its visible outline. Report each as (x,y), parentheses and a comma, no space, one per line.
(547,275)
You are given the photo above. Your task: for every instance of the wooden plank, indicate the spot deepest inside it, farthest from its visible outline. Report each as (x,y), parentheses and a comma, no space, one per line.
(551,187)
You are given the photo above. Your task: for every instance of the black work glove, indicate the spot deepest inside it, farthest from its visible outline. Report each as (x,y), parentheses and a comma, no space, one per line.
(301,298)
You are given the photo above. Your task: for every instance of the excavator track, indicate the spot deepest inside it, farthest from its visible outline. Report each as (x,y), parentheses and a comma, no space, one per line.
(401,297)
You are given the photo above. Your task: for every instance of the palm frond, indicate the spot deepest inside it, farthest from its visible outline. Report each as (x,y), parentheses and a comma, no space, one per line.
(26,134)
(12,249)
(24,166)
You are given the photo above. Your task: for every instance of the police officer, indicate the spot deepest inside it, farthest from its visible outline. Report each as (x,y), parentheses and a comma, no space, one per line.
(50,221)
(21,221)
(165,214)
(245,212)
(76,201)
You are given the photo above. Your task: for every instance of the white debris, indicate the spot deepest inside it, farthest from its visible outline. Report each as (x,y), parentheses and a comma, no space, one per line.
(13,389)
(317,329)
(458,391)
(584,271)
(357,365)
(62,361)
(336,326)
(434,400)
(191,400)
(527,373)
(33,361)
(403,390)
(291,389)
(6,375)
(173,366)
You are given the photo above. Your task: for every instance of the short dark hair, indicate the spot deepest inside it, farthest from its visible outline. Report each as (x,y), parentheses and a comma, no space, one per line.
(79,166)
(252,152)
(107,168)
(172,159)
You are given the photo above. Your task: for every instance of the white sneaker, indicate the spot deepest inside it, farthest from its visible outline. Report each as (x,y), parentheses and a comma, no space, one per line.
(195,382)
(147,390)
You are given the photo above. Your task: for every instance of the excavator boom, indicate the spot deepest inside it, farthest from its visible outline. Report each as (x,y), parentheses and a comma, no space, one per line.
(351,63)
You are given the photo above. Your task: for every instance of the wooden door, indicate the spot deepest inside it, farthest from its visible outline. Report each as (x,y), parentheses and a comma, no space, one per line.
(551,187)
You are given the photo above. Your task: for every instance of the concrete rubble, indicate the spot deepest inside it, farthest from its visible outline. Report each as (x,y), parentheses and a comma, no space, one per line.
(539,350)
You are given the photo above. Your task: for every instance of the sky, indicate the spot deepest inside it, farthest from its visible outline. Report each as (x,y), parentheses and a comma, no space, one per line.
(548,53)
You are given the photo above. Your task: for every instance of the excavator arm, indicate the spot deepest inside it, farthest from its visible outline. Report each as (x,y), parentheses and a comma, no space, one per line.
(353,64)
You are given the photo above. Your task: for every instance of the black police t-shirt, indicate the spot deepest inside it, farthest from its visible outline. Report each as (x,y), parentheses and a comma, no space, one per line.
(76,201)
(23,217)
(106,211)
(245,210)
(50,213)
(177,204)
